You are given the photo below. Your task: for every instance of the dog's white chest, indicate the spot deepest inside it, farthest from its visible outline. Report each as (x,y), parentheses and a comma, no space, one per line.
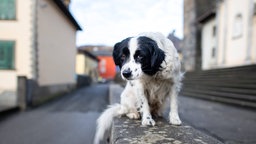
(157,91)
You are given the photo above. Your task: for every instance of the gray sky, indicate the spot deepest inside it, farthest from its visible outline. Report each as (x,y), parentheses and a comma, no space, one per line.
(106,22)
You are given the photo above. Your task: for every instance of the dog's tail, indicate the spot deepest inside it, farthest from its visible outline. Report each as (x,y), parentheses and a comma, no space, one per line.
(104,122)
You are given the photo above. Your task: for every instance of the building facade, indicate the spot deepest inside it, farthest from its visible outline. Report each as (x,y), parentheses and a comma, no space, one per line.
(225,63)
(106,66)
(228,35)
(87,65)
(191,50)
(37,41)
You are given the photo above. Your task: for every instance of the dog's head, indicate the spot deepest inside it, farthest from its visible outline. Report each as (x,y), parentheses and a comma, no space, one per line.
(137,56)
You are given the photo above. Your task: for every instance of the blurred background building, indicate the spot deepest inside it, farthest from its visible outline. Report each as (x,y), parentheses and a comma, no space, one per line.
(87,64)
(219,50)
(37,50)
(177,42)
(106,66)
(228,32)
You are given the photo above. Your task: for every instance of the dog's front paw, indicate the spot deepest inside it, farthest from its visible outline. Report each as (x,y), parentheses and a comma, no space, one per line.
(175,120)
(148,121)
(133,115)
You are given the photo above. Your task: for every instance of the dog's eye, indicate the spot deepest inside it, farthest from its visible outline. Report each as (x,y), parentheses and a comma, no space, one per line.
(123,57)
(139,57)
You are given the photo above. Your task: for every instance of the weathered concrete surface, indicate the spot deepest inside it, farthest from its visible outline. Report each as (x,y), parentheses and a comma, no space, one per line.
(125,130)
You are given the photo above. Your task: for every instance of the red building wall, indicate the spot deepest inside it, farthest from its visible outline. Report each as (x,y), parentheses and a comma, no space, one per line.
(107,68)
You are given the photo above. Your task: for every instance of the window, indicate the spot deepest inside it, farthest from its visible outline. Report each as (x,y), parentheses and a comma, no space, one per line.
(7,10)
(254,11)
(238,26)
(214,31)
(213,52)
(7,54)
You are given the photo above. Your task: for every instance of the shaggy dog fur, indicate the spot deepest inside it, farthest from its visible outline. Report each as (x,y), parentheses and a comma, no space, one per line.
(150,64)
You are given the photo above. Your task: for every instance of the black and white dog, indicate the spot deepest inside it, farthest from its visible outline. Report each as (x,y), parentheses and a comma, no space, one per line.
(150,64)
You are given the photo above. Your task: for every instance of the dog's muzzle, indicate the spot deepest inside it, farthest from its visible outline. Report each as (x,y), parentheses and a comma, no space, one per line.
(127,73)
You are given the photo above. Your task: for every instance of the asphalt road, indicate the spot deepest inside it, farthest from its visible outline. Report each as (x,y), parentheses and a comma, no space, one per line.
(68,120)
(72,120)
(228,123)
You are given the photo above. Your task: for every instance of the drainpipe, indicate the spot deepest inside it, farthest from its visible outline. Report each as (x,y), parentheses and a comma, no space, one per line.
(34,50)
(249,31)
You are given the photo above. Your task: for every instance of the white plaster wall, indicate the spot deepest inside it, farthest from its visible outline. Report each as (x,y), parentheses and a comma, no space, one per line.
(20,31)
(232,51)
(208,42)
(56,45)
(222,31)
(8,84)
(236,47)
(8,80)
(253,51)
(254,37)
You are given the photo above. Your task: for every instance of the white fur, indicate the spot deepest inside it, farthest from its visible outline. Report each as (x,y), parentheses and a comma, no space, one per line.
(142,89)
(105,120)
(132,65)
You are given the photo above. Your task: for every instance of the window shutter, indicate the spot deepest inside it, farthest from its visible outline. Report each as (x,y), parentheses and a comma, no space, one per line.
(7,9)
(12,9)
(3,55)
(6,54)
(10,55)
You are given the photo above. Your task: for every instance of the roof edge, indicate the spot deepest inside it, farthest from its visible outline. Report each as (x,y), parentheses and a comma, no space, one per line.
(67,13)
(207,16)
(88,54)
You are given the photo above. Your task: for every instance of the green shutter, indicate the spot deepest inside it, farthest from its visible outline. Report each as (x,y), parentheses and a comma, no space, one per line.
(6,54)
(7,9)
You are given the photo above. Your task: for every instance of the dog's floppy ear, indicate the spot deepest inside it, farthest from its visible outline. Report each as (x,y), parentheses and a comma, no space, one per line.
(116,53)
(118,50)
(157,57)
(154,55)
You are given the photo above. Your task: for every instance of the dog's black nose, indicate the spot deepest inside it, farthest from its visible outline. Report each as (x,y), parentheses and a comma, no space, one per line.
(127,73)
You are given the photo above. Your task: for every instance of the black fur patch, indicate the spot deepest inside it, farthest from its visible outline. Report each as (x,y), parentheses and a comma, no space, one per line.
(121,52)
(152,55)
(148,54)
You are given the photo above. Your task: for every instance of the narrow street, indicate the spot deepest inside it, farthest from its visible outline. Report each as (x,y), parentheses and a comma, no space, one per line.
(230,124)
(68,120)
